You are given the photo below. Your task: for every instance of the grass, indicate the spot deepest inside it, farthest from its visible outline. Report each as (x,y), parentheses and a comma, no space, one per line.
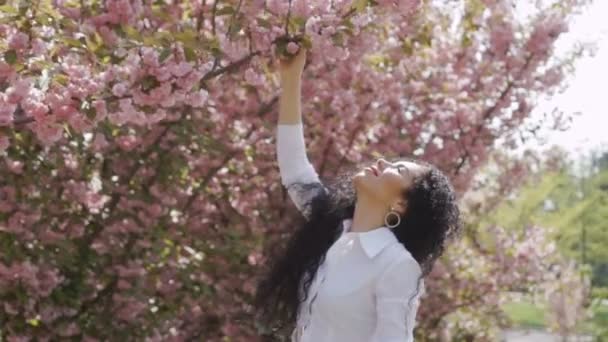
(525,314)
(601,315)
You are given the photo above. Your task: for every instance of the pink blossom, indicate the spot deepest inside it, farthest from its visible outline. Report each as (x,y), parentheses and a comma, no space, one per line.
(4,143)
(278,7)
(18,338)
(127,113)
(100,142)
(18,41)
(70,12)
(157,116)
(95,201)
(39,46)
(181,69)
(545,32)
(80,123)
(6,70)
(254,258)
(7,199)
(406,7)
(501,38)
(70,329)
(292,47)
(123,284)
(19,90)
(10,309)
(7,111)
(198,98)
(34,107)
(64,112)
(253,7)
(48,133)
(101,110)
(253,78)
(131,310)
(109,37)
(121,11)
(155,210)
(127,142)
(120,89)
(14,166)
(150,56)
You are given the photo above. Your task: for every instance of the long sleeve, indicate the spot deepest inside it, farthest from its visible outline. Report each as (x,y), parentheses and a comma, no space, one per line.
(397,302)
(297,173)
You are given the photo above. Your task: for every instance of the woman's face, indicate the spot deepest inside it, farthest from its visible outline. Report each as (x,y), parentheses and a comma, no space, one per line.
(386,181)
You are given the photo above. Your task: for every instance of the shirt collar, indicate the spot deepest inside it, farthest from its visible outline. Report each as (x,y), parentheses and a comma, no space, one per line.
(372,241)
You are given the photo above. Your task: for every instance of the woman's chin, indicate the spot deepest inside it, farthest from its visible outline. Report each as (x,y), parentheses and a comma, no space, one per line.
(362,180)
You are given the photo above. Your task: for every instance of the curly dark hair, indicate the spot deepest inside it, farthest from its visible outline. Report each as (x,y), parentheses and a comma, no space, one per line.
(431,219)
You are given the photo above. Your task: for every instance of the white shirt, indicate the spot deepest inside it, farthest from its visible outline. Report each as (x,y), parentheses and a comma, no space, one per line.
(366,289)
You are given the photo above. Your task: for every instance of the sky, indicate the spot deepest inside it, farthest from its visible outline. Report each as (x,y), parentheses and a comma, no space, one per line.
(587,91)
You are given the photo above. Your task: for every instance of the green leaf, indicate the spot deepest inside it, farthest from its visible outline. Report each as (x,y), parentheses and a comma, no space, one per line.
(72,42)
(165,252)
(90,112)
(188,37)
(338,39)
(264,23)
(67,24)
(44,19)
(184,172)
(360,5)
(212,45)
(190,54)
(148,83)
(151,41)
(164,55)
(10,57)
(249,153)
(164,38)
(94,42)
(160,12)
(61,79)
(296,24)
(131,33)
(234,29)
(306,42)
(33,322)
(8,9)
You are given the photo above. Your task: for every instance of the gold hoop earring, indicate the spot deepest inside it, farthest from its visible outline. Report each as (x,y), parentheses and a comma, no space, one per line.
(392,212)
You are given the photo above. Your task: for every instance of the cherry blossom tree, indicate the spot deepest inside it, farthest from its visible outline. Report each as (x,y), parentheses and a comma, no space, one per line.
(567,295)
(139,186)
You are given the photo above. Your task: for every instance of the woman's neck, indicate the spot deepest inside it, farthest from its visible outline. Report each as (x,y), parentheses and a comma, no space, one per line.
(368,215)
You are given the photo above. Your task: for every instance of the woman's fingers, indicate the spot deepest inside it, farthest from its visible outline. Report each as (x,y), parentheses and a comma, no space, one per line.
(291,64)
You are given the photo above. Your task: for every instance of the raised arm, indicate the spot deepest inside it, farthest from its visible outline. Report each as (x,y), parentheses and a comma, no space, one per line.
(297,173)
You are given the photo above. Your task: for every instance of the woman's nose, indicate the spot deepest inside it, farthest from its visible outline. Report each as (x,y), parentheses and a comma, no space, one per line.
(381,164)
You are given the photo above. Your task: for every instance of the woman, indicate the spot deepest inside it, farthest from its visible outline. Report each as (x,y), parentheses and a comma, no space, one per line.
(353,270)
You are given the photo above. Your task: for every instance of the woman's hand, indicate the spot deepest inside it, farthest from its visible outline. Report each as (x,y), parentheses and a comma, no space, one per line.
(292,67)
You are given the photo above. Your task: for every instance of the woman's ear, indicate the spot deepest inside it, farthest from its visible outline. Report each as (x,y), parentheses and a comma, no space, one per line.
(400,206)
